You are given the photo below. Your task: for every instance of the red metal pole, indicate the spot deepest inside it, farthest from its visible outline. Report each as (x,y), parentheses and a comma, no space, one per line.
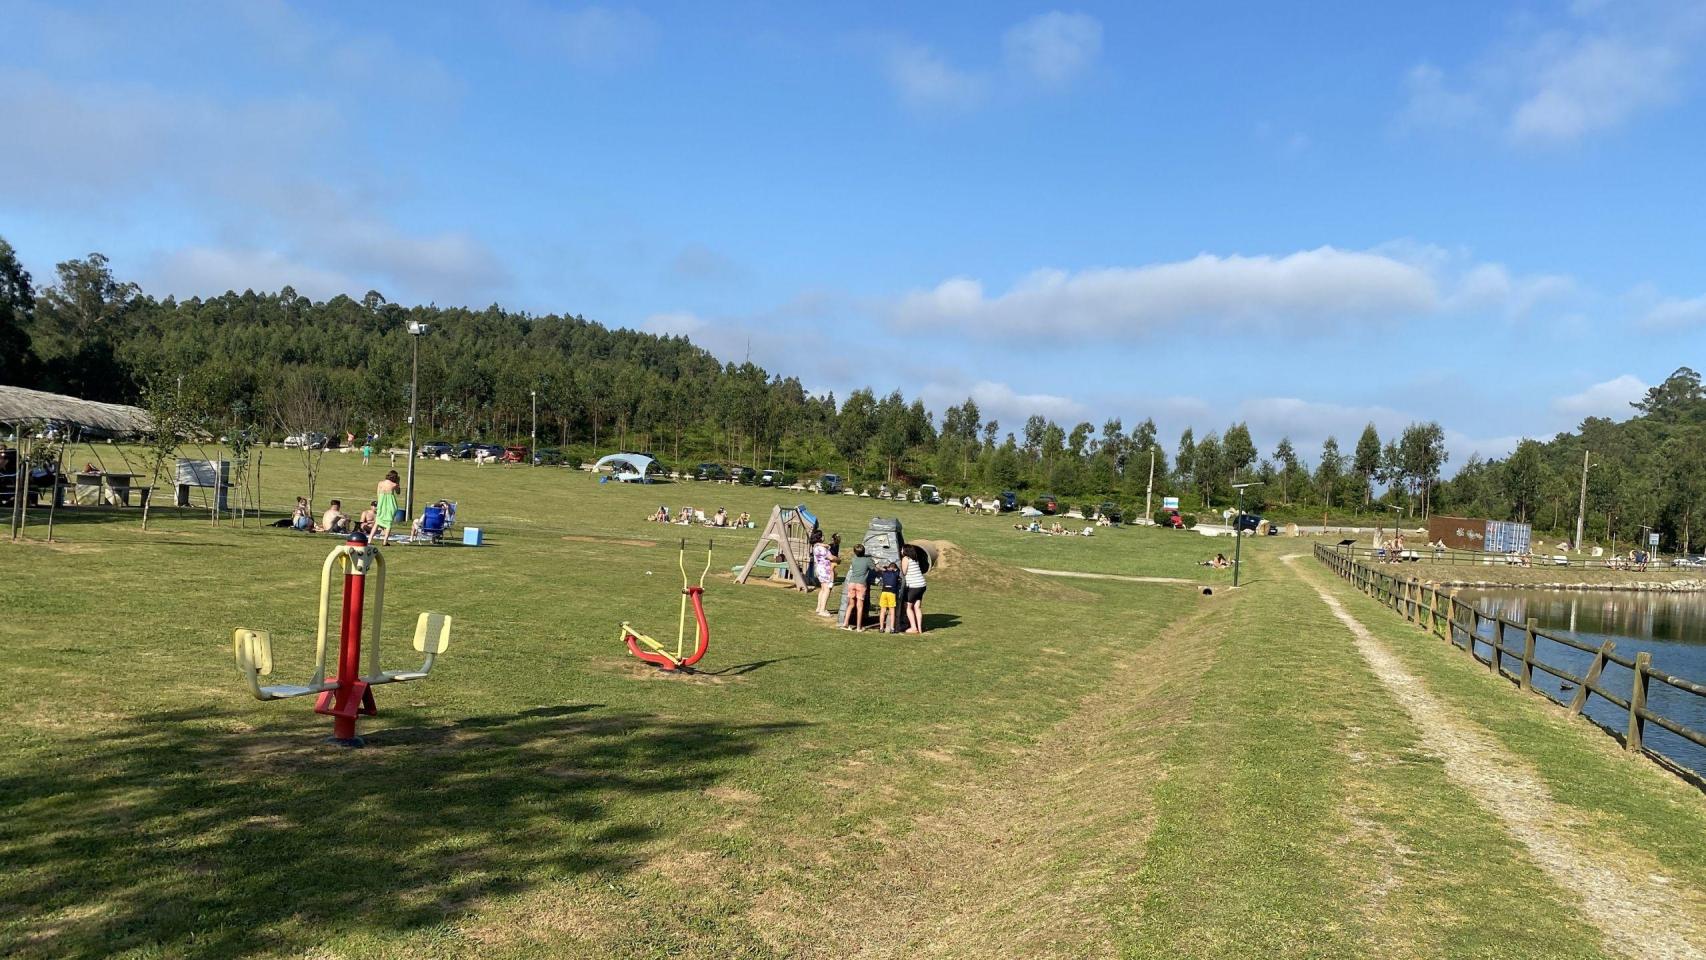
(349,652)
(352,696)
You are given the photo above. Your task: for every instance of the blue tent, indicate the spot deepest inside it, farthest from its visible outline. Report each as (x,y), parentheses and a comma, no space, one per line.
(628,467)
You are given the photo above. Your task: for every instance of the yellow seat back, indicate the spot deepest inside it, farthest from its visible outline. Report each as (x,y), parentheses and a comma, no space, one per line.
(432,633)
(253,649)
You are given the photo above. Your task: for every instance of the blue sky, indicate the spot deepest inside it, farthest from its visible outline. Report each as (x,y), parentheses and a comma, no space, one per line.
(1302,217)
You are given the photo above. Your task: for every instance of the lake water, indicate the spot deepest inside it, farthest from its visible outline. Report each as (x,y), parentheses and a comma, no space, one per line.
(1670,626)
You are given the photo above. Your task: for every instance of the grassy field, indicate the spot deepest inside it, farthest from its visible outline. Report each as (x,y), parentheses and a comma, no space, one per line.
(1058,767)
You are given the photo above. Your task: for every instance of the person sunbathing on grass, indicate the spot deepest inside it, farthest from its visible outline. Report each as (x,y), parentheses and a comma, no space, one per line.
(662,516)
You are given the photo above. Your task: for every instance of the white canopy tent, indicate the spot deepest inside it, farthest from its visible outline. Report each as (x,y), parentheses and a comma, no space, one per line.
(628,467)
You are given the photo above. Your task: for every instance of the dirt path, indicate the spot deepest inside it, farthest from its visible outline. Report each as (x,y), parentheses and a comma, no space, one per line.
(1639,912)
(1105,576)
(1024,865)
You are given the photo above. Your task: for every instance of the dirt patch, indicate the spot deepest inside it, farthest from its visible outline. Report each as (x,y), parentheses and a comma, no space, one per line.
(734,795)
(635,670)
(616,541)
(1639,911)
(1107,576)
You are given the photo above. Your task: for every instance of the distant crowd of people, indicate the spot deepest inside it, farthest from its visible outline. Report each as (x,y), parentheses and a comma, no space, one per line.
(687,516)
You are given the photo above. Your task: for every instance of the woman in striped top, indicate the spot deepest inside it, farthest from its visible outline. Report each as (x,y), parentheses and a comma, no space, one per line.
(913,564)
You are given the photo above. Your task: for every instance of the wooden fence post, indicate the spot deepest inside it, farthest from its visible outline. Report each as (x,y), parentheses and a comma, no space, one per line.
(1497,654)
(1528,656)
(1580,700)
(1638,702)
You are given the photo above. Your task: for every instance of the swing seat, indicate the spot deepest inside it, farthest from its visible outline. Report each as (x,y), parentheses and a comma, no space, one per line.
(432,637)
(253,650)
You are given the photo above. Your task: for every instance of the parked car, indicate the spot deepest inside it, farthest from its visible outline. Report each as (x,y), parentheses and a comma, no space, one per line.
(433,449)
(929,494)
(740,474)
(1047,504)
(710,471)
(1111,510)
(549,457)
(310,441)
(515,454)
(773,478)
(829,483)
(469,449)
(1007,501)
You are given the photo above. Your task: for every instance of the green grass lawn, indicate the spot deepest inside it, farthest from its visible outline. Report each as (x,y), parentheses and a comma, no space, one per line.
(1057,768)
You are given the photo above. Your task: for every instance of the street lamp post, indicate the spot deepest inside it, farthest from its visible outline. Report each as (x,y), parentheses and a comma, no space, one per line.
(533,432)
(1238,530)
(416,331)
(1582,507)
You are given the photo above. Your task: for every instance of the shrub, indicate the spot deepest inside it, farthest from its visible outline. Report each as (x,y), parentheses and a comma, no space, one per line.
(1190,520)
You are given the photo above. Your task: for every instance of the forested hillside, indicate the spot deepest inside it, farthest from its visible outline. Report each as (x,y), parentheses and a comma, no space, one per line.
(277,362)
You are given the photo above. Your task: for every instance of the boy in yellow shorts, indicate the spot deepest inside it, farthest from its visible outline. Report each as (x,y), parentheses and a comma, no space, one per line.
(889,581)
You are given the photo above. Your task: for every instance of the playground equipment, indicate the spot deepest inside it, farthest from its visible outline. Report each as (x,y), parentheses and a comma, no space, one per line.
(681,660)
(784,546)
(347,693)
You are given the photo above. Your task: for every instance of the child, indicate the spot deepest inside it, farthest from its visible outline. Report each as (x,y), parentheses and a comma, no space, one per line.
(369,517)
(889,578)
(853,598)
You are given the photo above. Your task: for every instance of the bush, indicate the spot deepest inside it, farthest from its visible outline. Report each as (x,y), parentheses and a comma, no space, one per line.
(1162,518)
(1190,521)
(1087,511)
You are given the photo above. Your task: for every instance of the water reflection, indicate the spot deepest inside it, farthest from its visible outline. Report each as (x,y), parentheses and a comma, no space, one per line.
(1670,626)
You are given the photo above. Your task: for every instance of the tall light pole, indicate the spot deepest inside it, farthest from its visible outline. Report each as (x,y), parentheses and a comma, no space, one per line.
(533,433)
(416,331)
(1238,529)
(1397,517)
(1582,508)
(1150,490)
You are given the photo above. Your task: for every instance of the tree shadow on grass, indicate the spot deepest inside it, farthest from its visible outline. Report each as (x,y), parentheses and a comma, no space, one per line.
(175,834)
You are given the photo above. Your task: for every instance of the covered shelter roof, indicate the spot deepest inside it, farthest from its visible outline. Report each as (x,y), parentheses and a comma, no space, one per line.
(635,463)
(20,406)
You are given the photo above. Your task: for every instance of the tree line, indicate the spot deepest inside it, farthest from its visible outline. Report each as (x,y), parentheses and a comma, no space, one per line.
(273,362)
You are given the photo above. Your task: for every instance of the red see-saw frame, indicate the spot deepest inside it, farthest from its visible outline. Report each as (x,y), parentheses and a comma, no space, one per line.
(654,652)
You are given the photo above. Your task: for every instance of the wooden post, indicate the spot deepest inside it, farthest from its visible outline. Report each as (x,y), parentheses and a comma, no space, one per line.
(1580,700)
(1496,655)
(1527,676)
(1638,702)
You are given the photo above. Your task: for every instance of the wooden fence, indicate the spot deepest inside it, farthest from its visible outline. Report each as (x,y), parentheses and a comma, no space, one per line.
(1443,615)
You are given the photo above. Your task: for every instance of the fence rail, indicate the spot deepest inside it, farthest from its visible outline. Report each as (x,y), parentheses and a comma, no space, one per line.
(1543,560)
(1443,615)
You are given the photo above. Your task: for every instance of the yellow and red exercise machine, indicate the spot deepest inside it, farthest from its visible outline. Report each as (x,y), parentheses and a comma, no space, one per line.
(681,660)
(347,693)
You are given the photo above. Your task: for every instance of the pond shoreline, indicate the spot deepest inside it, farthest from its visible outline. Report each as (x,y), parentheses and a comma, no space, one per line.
(1636,586)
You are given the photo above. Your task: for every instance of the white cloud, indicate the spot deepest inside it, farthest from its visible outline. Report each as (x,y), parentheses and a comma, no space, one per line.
(1593,84)
(211,271)
(1306,292)
(1309,290)
(924,81)
(1000,401)
(589,37)
(1675,314)
(1491,286)
(1603,66)
(676,324)
(81,144)
(1608,399)
(1053,49)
